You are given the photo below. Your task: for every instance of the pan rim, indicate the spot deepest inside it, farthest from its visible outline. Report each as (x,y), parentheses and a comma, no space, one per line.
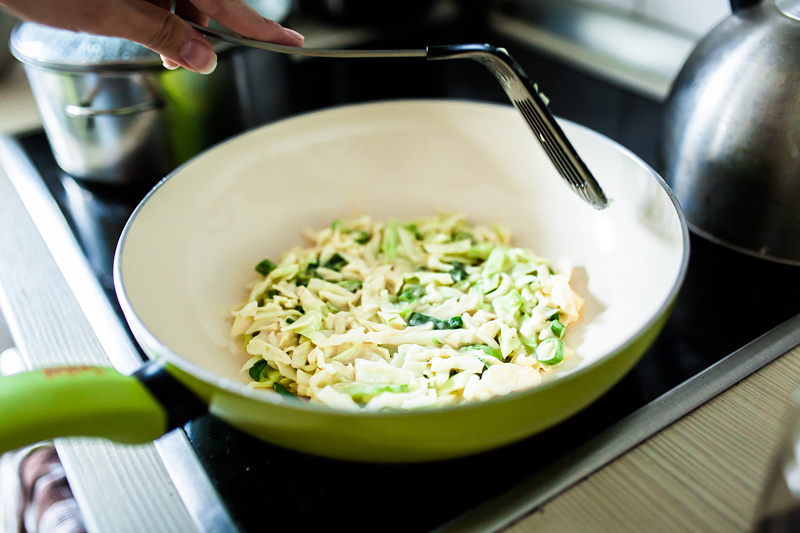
(239,389)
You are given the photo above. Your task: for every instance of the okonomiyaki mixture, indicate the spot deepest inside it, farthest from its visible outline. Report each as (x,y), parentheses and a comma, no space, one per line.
(404,315)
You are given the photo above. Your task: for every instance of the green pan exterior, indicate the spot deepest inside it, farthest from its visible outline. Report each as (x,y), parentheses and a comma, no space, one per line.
(76,401)
(422,435)
(101,402)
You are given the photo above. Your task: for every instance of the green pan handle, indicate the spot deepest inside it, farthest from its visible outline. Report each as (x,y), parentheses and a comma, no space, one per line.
(91,401)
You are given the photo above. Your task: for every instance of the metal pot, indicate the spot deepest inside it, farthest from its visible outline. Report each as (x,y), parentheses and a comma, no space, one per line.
(114,114)
(731,143)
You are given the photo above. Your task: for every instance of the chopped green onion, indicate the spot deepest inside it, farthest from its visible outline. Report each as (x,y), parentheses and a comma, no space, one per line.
(418,319)
(550,351)
(265,267)
(257,370)
(558,328)
(488,350)
(336,262)
(460,235)
(272,293)
(362,237)
(406,296)
(351,285)
(458,272)
(363,393)
(337,225)
(414,230)
(309,272)
(411,291)
(391,241)
(283,391)
(454,322)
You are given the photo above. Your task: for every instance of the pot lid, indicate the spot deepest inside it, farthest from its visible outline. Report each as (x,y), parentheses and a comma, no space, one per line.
(54,48)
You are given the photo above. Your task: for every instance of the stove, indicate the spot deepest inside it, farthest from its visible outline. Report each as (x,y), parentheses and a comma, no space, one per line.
(728,301)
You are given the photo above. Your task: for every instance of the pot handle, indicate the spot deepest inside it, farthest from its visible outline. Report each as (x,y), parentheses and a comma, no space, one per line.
(86,111)
(90,401)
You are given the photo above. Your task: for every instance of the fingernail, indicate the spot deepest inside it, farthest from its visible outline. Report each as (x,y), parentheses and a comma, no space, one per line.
(294,33)
(168,63)
(198,56)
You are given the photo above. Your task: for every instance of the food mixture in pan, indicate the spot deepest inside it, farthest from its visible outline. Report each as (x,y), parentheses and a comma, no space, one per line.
(395,315)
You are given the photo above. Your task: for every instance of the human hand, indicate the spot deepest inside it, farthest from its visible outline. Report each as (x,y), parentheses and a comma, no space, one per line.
(150,23)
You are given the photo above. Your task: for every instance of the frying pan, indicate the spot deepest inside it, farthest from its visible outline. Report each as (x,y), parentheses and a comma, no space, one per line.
(189,249)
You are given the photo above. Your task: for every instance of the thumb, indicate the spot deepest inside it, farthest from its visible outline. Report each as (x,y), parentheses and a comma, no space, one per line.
(170,36)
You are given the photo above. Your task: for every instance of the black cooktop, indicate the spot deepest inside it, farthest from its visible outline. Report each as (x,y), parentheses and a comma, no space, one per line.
(728,299)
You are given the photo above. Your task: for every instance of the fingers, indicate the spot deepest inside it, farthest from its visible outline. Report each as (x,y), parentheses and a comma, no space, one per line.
(153,25)
(156,28)
(244,20)
(182,46)
(187,11)
(168,63)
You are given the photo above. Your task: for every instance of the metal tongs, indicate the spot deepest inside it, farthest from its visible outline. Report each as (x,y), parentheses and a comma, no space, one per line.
(522,93)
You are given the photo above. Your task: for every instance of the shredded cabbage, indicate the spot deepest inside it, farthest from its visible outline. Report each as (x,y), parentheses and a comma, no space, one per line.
(431,312)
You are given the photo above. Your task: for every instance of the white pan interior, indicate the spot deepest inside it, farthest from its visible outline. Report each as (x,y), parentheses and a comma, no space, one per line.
(190,248)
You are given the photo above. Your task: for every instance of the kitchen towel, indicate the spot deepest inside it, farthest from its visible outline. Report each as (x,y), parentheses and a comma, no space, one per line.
(35,495)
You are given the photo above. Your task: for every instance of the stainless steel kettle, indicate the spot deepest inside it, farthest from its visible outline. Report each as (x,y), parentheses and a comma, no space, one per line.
(731,139)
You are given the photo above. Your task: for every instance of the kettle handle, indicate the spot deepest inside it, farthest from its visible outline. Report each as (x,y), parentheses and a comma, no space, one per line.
(736,5)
